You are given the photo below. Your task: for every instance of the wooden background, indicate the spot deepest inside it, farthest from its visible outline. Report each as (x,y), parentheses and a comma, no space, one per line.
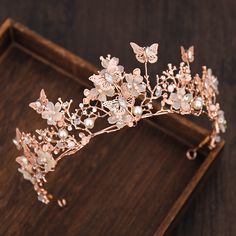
(94,28)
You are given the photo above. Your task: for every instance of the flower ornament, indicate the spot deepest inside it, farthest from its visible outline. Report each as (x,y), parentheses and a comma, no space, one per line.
(46,160)
(119,114)
(116,99)
(26,174)
(135,85)
(222,122)
(52,113)
(211,82)
(180,100)
(112,71)
(120,120)
(105,80)
(102,90)
(184,74)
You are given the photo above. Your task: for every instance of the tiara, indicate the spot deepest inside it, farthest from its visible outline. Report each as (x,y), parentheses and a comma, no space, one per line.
(120,99)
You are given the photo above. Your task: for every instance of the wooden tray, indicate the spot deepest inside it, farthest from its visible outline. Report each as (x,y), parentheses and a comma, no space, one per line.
(133,182)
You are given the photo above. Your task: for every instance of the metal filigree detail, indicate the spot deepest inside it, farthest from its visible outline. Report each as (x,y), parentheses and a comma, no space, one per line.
(122,99)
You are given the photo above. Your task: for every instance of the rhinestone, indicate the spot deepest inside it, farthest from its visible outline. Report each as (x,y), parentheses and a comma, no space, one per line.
(122,102)
(109,78)
(41,198)
(217,138)
(77,121)
(158,91)
(69,127)
(39,175)
(60,145)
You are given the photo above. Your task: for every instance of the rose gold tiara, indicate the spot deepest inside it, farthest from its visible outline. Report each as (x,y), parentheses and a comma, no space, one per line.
(121,99)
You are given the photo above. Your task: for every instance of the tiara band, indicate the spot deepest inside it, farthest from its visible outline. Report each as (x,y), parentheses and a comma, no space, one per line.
(122,99)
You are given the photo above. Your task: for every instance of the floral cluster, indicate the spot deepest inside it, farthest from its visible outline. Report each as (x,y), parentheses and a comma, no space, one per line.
(122,99)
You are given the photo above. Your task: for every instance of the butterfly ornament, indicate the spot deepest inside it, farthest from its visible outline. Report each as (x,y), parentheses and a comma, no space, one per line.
(145,54)
(187,54)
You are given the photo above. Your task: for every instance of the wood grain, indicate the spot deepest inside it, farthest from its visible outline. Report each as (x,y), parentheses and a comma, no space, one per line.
(90,29)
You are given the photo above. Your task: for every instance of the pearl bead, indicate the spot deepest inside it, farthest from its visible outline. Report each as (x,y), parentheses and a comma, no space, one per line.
(62,133)
(70,144)
(170,88)
(94,109)
(86,92)
(137,110)
(89,123)
(197,104)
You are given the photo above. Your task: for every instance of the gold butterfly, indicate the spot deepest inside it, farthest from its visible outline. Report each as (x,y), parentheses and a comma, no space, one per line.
(187,55)
(101,82)
(145,54)
(37,105)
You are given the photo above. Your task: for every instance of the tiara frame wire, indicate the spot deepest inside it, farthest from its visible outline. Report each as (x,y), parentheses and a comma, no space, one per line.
(123,99)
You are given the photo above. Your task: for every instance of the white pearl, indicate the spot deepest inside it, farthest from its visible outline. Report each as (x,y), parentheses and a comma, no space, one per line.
(170,88)
(62,133)
(70,144)
(137,110)
(89,123)
(197,104)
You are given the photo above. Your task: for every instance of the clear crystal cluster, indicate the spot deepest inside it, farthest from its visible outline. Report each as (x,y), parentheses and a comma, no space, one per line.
(122,99)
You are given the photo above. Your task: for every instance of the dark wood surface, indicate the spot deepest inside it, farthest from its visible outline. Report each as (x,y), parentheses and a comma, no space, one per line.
(91,29)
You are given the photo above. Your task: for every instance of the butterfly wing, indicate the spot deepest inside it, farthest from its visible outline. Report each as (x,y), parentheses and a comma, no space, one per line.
(111,105)
(151,53)
(183,54)
(190,53)
(43,96)
(187,55)
(139,52)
